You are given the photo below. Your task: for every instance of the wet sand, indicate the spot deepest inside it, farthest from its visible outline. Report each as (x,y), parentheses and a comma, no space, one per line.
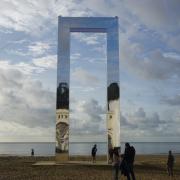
(149,167)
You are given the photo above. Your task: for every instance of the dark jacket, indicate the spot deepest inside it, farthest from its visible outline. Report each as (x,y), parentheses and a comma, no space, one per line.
(94,150)
(170,162)
(129,154)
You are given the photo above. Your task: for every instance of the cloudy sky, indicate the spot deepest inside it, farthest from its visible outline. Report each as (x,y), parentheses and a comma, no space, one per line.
(149,39)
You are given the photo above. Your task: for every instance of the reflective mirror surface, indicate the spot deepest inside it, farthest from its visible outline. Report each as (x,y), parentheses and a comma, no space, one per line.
(87,24)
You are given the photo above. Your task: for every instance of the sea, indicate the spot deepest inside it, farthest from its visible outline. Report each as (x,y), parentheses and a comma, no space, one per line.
(84,148)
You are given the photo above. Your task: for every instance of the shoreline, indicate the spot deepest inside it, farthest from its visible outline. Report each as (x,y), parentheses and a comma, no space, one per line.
(76,149)
(74,155)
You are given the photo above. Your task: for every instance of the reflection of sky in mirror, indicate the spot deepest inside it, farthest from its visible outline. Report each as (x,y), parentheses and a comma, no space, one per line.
(88,92)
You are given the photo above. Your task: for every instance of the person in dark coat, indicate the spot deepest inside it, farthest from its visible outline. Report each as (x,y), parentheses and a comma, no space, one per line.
(93,153)
(124,167)
(32,152)
(111,152)
(170,163)
(116,163)
(129,156)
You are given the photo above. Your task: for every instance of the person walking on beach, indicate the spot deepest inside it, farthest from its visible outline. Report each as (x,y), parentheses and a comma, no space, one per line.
(111,152)
(170,163)
(124,168)
(116,163)
(129,156)
(32,152)
(93,153)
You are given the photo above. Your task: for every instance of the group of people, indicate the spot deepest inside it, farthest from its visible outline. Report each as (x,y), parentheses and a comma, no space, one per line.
(124,163)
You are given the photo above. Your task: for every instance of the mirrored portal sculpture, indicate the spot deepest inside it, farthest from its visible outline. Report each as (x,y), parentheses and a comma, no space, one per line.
(67,25)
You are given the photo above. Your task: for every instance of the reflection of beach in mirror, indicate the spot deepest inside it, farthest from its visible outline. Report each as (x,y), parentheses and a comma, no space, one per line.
(88,92)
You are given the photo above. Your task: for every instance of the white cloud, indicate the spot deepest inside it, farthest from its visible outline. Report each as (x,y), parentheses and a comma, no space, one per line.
(49,61)
(32,16)
(84,77)
(12,132)
(24,68)
(75,56)
(139,124)
(88,38)
(173,41)
(24,100)
(92,40)
(38,65)
(87,117)
(23,15)
(177,117)
(172,55)
(38,48)
(152,66)
(85,89)
(173,101)
(163,15)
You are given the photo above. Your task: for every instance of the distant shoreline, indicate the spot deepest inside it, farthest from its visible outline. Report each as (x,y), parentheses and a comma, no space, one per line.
(84,148)
(24,155)
(97,142)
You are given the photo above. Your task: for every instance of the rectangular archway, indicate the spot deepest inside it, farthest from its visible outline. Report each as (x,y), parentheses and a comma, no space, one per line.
(66,25)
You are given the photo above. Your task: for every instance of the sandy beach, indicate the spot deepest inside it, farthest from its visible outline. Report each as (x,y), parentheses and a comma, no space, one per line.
(149,167)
